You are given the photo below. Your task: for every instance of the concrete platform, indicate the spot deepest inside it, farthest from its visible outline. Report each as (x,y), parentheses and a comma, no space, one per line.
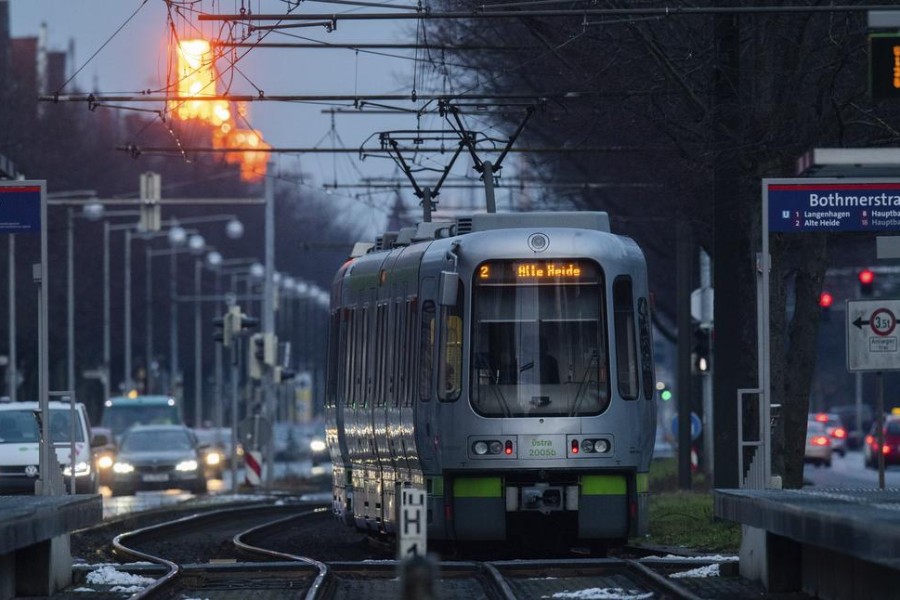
(829,543)
(35,556)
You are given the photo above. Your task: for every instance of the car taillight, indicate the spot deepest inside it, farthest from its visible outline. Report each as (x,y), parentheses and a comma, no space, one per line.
(822,418)
(870,440)
(821,440)
(885,449)
(839,432)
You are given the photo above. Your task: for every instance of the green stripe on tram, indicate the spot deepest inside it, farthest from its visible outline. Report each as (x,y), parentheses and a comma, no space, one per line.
(603,485)
(643,483)
(478,487)
(434,486)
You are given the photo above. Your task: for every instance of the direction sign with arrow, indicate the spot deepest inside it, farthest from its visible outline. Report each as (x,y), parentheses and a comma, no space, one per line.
(872,340)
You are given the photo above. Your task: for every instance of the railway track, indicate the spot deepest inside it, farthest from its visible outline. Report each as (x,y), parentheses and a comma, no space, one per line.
(226,553)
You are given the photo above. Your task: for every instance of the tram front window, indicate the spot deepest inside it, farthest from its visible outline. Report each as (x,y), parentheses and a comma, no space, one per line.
(539,344)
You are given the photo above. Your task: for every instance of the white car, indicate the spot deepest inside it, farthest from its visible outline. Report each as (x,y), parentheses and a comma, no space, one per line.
(19,446)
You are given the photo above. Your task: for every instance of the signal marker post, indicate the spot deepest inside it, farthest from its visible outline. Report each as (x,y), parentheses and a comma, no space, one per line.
(411,523)
(417,572)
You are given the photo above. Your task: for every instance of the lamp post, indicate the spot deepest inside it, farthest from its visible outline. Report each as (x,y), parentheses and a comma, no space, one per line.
(234,229)
(213,260)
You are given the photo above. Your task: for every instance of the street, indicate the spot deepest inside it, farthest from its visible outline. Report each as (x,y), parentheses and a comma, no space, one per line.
(848,472)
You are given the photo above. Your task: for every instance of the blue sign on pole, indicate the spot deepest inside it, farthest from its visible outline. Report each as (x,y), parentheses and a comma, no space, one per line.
(20,207)
(696,426)
(830,207)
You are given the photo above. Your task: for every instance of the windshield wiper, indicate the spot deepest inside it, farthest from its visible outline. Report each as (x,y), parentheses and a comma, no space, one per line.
(583,385)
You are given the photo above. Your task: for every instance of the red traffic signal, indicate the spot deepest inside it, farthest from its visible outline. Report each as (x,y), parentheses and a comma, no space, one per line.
(866,279)
(826,300)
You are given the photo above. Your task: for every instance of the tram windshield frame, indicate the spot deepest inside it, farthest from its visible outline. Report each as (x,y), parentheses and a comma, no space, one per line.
(539,339)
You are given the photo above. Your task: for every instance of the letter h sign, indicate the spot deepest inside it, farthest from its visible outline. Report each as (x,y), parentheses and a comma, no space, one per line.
(411,525)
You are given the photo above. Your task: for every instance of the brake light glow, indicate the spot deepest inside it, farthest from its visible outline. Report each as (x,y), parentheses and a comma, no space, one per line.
(821,440)
(822,418)
(885,449)
(839,432)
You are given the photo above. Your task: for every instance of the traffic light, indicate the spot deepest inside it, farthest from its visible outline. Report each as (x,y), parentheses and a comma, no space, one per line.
(866,280)
(701,350)
(241,322)
(150,196)
(281,374)
(665,394)
(256,362)
(825,302)
(223,331)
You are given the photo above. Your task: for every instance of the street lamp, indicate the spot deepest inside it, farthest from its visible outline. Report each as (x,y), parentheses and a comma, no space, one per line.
(178,237)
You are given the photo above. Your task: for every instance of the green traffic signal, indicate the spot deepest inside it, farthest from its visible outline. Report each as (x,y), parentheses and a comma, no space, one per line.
(665,395)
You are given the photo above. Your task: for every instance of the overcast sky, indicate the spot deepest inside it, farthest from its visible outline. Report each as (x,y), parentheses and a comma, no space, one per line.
(121,45)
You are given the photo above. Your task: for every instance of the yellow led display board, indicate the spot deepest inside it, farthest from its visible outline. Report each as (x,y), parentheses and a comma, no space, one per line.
(535,270)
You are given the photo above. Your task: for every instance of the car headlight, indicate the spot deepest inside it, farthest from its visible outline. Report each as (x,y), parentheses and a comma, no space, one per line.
(81,469)
(213,458)
(186,465)
(104,462)
(317,446)
(123,468)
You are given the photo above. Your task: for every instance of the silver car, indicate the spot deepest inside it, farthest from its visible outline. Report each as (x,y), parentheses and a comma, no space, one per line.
(818,444)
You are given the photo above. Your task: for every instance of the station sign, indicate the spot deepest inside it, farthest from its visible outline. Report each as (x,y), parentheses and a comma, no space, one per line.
(817,205)
(20,207)
(873,338)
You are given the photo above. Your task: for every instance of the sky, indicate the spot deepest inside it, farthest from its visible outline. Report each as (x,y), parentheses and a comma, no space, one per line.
(120,46)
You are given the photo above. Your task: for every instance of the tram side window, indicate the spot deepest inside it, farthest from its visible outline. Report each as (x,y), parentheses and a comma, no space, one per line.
(450,383)
(410,355)
(646,348)
(334,368)
(349,357)
(381,354)
(426,354)
(626,344)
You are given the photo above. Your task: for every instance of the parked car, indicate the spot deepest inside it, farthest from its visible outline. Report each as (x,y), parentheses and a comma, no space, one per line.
(158,457)
(818,444)
(835,430)
(20,443)
(891,447)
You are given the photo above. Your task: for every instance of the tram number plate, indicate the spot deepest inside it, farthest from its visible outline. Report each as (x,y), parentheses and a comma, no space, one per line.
(542,446)
(156,477)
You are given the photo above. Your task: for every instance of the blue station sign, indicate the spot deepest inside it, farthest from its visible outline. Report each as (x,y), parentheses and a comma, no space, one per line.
(20,207)
(810,206)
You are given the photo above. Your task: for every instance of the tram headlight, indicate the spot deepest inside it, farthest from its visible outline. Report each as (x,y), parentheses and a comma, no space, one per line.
(496,447)
(591,446)
(480,448)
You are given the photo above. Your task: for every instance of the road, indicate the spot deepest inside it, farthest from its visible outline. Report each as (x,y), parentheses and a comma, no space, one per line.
(849,472)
